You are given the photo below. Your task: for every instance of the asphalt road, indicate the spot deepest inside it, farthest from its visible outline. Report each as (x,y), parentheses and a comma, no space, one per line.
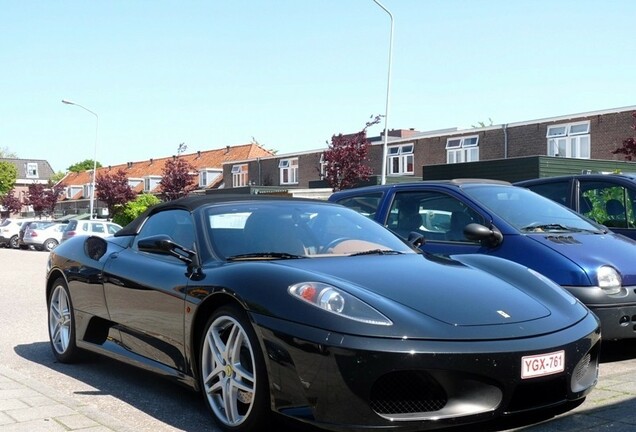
(144,402)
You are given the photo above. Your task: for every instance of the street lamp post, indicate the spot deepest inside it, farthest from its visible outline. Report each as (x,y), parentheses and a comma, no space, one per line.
(92,186)
(388,94)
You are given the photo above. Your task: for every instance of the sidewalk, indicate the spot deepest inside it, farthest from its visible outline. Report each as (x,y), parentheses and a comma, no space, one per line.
(27,406)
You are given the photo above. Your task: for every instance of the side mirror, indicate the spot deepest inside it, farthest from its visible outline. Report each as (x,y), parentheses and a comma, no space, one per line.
(164,245)
(477,232)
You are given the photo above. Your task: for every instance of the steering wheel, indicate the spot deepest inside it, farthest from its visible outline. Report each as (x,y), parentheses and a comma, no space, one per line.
(333,243)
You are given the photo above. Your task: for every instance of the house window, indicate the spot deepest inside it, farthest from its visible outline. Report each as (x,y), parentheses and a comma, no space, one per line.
(571,140)
(87,190)
(323,166)
(31,170)
(400,159)
(134,182)
(151,183)
(207,176)
(288,171)
(239,175)
(464,149)
(71,191)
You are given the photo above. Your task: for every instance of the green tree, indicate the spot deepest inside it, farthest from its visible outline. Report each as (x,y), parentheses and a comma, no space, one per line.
(8,176)
(5,153)
(85,165)
(57,176)
(132,209)
(481,124)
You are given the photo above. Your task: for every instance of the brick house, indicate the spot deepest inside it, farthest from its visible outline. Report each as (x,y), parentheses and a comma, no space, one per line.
(29,171)
(144,176)
(591,135)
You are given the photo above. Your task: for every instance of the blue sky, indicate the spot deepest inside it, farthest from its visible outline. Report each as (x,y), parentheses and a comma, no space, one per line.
(291,73)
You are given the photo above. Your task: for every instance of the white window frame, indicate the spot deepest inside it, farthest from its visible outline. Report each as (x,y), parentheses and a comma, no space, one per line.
(133,182)
(570,140)
(400,159)
(151,182)
(239,175)
(31,169)
(288,171)
(72,190)
(462,149)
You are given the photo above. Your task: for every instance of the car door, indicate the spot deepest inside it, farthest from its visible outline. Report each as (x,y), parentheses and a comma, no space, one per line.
(145,292)
(437,215)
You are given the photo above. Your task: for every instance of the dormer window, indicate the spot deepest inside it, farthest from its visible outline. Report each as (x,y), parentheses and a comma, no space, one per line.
(151,183)
(31,170)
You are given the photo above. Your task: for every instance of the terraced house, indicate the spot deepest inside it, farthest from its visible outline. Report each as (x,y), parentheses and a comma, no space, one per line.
(145,176)
(30,171)
(414,155)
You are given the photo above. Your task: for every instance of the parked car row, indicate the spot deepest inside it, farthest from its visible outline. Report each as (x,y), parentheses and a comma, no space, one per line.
(45,235)
(312,311)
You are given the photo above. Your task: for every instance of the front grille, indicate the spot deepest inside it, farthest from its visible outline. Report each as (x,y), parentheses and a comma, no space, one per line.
(582,368)
(407,392)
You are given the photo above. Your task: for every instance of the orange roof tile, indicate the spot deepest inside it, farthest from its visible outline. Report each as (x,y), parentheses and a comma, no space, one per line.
(200,160)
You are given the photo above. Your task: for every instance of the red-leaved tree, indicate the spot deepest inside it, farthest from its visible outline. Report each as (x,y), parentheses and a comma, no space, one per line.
(346,157)
(114,191)
(178,177)
(629,144)
(42,198)
(11,202)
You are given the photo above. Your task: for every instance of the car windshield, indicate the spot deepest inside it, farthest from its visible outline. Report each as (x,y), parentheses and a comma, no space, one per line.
(528,211)
(284,230)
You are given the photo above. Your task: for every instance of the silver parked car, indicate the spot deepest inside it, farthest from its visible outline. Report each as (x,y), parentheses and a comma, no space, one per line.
(89,227)
(44,236)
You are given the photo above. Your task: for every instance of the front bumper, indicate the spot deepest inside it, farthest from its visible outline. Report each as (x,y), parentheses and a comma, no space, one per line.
(617,313)
(347,383)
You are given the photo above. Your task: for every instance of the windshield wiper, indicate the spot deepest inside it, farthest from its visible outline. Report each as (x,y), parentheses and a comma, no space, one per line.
(378,252)
(264,255)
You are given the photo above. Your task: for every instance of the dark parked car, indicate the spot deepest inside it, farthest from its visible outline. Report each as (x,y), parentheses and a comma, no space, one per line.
(609,199)
(495,218)
(312,311)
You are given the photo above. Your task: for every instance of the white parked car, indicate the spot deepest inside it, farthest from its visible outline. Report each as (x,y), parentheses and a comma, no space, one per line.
(89,227)
(9,229)
(45,236)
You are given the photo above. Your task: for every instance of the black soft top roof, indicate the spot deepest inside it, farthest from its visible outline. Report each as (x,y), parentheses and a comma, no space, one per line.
(191,203)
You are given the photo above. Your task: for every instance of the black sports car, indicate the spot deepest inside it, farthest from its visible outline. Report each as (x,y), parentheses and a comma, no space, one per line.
(313,311)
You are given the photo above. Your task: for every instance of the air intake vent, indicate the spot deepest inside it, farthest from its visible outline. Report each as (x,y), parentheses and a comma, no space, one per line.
(407,392)
(563,239)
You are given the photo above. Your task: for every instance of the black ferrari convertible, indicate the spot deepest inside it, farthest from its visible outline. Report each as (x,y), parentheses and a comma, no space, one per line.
(314,312)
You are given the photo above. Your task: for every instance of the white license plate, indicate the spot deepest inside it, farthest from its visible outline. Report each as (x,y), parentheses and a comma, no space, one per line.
(542,364)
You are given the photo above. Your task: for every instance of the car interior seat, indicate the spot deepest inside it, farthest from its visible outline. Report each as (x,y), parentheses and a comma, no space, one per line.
(616,214)
(458,222)
(271,232)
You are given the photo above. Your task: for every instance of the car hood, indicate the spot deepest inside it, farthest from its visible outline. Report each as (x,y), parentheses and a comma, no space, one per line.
(590,251)
(444,289)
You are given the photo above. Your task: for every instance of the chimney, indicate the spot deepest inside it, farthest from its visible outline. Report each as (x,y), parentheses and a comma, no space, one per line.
(227,149)
(150,161)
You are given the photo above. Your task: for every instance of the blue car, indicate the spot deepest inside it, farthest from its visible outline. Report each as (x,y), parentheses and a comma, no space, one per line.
(496,218)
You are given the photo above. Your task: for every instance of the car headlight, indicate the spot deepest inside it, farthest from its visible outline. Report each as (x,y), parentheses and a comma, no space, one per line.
(333,300)
(609,280)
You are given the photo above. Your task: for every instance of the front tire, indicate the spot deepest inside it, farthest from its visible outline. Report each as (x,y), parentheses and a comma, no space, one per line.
(13,241)
(62,323)
(233,376)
